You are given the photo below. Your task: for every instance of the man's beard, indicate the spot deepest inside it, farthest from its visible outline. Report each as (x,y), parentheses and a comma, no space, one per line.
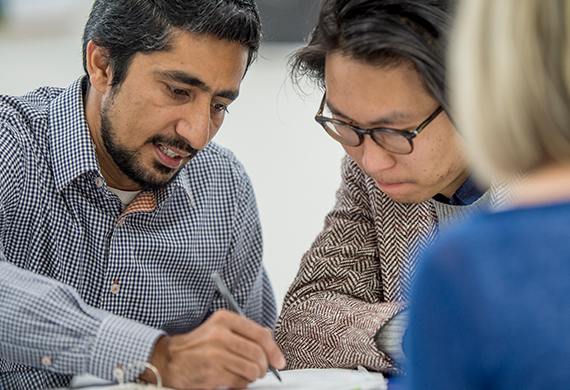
(128,161)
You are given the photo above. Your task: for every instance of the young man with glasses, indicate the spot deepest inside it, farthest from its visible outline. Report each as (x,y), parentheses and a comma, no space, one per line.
(405,179)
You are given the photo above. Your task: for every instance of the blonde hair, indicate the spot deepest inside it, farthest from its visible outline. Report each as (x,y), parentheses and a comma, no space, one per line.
(510,83)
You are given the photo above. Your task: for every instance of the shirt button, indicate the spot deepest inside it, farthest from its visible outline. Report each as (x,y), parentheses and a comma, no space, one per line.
(99,182)
(46,361)
(115,288)
(118,373)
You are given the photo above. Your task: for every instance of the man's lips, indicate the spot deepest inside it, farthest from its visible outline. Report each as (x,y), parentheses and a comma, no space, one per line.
(384,184)
(173,152)
(171,157)
(388,185)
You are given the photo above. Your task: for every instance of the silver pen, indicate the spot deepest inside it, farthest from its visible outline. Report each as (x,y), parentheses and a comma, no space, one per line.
(235,307)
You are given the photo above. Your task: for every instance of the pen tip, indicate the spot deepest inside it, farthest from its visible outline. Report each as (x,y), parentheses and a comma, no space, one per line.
(275,372)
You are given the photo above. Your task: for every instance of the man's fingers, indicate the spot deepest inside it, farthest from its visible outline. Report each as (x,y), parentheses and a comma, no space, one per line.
(250,352)
(219,367)
(244,368)
(256,333)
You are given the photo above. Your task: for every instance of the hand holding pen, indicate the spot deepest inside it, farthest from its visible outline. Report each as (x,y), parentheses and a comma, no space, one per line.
(227,350)
(226,294)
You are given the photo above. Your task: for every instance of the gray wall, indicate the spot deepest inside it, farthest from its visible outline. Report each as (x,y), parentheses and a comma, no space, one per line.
(288,20)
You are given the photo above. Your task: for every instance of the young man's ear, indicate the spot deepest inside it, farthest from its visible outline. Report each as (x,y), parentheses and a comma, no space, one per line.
(98,67)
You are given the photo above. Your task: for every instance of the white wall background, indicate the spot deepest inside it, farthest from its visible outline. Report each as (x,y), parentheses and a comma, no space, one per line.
(293,164)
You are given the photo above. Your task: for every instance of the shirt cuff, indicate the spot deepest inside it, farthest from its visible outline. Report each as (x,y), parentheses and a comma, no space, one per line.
(121,342)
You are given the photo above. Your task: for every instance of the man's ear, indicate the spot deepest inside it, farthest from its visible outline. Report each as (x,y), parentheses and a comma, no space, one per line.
(98,67)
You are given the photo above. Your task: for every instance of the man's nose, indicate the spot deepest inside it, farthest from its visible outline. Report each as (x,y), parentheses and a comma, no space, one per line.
(195,124)
(374,157)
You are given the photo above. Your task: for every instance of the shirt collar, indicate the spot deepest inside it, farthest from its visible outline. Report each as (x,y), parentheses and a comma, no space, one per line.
(181,181)
(71,146)
(465,195)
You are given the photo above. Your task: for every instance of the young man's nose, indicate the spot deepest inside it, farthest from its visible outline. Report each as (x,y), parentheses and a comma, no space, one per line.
(374,157)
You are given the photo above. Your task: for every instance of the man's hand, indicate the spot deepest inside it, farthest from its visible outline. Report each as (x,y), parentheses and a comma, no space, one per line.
(226,350)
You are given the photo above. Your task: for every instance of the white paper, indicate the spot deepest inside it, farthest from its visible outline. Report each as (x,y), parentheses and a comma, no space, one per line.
(322,379)
(309,379)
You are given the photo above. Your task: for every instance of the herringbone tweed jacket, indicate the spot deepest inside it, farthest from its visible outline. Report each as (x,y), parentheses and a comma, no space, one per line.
(358,273)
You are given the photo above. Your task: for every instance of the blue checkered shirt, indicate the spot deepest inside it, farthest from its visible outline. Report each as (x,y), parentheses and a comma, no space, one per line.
(114,279)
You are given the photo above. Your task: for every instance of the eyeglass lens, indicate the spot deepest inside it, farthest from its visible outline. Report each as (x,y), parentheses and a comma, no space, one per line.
(389,140)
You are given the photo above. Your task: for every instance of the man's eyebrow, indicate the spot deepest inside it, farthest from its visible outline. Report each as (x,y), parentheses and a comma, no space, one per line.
(394,118)
(193,81)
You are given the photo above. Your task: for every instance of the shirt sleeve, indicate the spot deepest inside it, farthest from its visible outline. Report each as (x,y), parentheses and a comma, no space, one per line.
(45,324)
(335,305)
(245,273)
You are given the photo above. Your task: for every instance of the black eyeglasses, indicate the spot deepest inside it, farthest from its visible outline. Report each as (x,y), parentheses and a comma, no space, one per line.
(392,140)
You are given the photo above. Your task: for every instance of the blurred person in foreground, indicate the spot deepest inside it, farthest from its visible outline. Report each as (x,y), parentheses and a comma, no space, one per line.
(490,309)
(115,208)
(381,64)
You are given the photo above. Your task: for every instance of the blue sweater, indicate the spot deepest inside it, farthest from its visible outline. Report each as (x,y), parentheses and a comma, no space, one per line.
(491,304)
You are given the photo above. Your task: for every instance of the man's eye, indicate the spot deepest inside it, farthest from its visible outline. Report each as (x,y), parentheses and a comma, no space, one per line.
(178,91)
(220,107)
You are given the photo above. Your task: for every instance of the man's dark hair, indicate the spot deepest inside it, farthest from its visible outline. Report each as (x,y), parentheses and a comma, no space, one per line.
(126,27)
(381,33)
